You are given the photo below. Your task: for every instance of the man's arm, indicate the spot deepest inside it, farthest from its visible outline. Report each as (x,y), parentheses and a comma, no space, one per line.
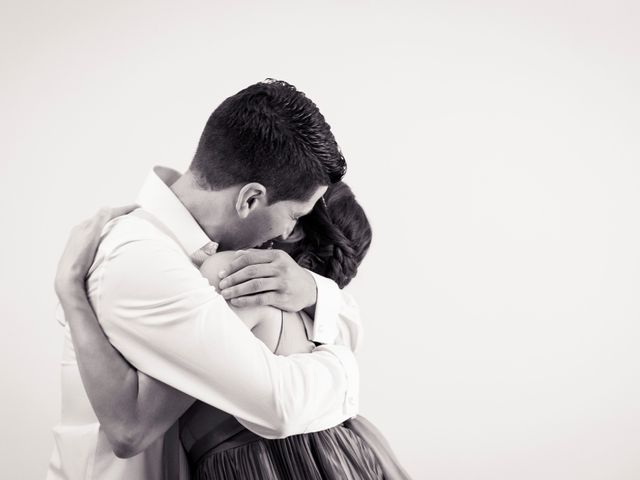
(163,316)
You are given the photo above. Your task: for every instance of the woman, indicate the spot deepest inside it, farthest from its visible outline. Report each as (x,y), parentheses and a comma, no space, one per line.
(333,240)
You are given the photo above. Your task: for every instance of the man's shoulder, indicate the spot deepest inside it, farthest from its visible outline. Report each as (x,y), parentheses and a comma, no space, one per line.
(135,238)
(137,226)
(134,249)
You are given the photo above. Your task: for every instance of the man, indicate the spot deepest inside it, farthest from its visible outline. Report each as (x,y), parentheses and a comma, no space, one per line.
(265,157)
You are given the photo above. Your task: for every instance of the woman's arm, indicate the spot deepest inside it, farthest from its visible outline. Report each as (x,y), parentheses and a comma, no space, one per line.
(133,408)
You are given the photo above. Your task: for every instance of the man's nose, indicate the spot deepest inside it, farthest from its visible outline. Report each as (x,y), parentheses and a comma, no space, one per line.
(288,231)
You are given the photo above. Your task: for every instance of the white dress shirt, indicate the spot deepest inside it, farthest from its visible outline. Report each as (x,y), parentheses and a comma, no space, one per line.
(166,319)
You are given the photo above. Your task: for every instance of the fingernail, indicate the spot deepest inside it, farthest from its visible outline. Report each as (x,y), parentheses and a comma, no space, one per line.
(210,248)
(225,293)
(222,284)
(222,273)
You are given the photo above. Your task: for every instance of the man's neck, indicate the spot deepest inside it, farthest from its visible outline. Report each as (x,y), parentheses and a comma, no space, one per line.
(207,207)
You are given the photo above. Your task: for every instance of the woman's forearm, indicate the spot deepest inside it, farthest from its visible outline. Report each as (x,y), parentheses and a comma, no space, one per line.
(103,370)
(133,408)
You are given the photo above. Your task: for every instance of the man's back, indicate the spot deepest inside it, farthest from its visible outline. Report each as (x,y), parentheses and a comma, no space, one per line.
(81,448)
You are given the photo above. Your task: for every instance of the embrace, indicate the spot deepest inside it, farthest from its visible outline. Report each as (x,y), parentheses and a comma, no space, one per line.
(207,332)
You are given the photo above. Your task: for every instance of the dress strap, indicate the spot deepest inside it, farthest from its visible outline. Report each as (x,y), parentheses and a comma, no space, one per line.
(304,325)
(275,350)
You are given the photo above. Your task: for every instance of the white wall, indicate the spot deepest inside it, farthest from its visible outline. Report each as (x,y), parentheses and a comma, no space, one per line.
(494,145)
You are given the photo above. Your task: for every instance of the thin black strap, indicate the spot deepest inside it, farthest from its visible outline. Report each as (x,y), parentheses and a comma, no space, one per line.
(275,350)
(304,325)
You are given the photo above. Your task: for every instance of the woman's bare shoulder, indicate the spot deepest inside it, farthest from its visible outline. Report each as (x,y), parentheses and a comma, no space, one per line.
(253,316)
(214,264)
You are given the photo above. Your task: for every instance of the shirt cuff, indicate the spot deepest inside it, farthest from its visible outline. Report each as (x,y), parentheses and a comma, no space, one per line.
(352,395)
(325,321)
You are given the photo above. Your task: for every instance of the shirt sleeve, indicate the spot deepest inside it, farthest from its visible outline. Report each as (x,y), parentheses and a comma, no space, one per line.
(337,316)
(168,322)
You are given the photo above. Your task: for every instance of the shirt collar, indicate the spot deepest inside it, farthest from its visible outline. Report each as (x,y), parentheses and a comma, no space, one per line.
(157,198)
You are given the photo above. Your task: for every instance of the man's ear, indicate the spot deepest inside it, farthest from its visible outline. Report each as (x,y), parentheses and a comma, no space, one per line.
(251,196)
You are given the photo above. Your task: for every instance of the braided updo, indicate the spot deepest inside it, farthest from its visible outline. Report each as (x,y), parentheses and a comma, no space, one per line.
(337,236)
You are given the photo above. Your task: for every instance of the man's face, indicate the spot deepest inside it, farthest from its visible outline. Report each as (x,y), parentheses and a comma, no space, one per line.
(277,220)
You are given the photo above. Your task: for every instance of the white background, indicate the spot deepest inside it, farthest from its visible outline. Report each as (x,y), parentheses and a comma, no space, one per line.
(494,146)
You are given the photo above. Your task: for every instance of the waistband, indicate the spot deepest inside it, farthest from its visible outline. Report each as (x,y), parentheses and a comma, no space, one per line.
(229,434)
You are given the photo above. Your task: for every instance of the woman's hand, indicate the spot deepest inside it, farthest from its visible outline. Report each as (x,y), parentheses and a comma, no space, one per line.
(81,249)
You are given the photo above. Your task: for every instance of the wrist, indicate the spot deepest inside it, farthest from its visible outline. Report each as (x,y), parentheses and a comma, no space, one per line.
(71,291)
(310,307)
(313,291)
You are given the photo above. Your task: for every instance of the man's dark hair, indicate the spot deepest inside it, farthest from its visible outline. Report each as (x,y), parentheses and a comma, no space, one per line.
(272,134)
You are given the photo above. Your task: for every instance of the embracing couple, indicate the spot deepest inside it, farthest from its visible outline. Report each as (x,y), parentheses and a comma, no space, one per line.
(207,335)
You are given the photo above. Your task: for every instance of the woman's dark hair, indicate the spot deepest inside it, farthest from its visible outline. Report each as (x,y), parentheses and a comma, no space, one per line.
(272,134)
(337,236)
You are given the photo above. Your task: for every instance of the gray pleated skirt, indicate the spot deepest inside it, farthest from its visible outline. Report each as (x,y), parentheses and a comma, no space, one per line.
(337,453)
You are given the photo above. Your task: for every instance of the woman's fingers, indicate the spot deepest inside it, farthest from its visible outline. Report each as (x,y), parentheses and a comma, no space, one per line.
(119,211)
(82,245)
(106,214)
(89,227)
(85,242)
